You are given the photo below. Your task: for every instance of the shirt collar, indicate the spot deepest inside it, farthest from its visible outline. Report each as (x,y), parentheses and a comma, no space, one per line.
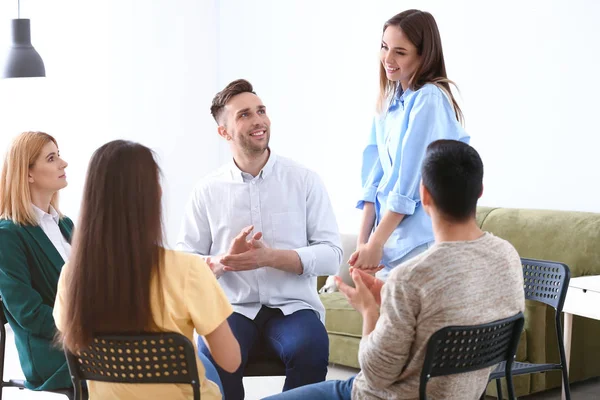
(268,168)
(42,214)
(238,174)
(399,97)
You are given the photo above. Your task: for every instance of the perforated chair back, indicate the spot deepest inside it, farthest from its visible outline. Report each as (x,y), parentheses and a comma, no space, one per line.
(144,358)
(459,349)
(546,281)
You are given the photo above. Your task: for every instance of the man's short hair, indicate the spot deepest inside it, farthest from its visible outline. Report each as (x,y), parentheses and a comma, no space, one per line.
(222,98)
(452,172)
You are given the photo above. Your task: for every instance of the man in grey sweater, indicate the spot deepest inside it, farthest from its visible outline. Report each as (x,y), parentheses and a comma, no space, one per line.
(468,277)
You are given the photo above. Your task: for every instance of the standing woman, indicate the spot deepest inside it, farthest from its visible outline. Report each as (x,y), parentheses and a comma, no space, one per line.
(34,245)
(415,108)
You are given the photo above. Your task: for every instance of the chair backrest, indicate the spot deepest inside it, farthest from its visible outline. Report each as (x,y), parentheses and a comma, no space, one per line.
(143,358)
(459,349)
(546,282)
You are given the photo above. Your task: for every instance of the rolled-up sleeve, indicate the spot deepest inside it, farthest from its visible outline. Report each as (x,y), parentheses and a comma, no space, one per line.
(323,255)
(195,235)
(371,170)
(428,122)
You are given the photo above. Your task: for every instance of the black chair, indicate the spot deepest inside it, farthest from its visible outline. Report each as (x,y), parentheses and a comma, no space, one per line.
(458,349)
(17,383)
(546,282)
(145,358)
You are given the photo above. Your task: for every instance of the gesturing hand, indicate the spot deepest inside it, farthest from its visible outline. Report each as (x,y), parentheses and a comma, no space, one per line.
(240,244)
(254,257)
(360,297)
(373,284)
(215,266)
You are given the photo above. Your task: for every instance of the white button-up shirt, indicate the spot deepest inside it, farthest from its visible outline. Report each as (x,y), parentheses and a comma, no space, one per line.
(49,224)
(290,206)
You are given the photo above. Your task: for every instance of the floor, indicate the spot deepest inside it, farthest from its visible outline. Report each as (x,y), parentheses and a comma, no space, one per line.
(587,390)
(257,388)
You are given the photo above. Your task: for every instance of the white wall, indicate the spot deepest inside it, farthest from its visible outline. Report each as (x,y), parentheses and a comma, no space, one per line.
(137,70)
(526,70)
(147,71)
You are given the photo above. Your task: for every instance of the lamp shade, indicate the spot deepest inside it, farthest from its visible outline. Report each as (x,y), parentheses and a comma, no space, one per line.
(22,61)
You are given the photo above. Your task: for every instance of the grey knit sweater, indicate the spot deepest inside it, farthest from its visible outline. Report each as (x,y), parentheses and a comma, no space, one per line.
(453,283)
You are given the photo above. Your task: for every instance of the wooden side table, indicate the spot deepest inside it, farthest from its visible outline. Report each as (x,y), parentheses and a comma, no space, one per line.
(583,299)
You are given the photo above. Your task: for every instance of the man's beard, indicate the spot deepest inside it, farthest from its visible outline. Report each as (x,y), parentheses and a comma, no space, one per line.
(255,148)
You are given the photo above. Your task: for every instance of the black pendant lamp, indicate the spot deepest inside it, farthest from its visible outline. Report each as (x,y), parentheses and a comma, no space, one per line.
(22,61)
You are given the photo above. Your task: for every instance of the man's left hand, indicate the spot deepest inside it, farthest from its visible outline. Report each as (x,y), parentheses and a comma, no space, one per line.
(255,257)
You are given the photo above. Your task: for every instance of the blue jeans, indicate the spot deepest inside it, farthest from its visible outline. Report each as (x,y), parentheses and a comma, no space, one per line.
(328,390)
(210,371)
(299,340)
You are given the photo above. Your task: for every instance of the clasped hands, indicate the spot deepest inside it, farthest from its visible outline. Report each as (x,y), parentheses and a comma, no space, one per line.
(367,257)
(365,297)
(243,254)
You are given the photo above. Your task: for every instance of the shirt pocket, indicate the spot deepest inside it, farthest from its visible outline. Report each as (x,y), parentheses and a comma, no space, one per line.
(288,230)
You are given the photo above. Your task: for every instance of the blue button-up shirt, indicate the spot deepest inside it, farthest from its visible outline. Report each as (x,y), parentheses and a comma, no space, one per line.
(391,169)
(290,206)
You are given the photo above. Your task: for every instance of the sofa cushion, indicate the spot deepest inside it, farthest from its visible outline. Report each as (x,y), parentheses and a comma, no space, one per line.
(343,350)
(340,317)
(564,236)
(482,213)
(568,237)
(522,349)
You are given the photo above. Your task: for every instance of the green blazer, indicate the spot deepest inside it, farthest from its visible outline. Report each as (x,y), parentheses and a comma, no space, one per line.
(29,269)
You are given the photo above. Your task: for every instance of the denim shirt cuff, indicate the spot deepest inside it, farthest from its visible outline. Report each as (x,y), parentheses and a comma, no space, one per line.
(401,204)
(368,195)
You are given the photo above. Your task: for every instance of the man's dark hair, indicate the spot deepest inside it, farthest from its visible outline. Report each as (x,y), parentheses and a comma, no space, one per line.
(222,98)
(453,174)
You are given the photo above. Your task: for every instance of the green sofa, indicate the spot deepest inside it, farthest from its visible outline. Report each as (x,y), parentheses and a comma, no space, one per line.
(569,237)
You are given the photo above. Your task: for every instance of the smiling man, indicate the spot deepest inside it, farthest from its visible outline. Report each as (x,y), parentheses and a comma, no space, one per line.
(267,228)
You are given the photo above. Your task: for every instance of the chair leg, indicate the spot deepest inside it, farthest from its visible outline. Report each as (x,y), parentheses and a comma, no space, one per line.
(77,391)
(2,350)
(499,389)
(566,386)
(561,348)
(511,388)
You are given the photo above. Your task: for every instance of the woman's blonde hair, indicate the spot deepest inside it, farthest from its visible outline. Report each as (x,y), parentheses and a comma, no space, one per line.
(15,195)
